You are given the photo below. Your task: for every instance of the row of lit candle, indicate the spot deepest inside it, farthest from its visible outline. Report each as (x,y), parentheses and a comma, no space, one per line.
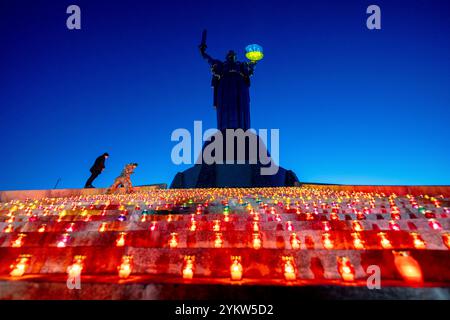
(327,240)
(407,266)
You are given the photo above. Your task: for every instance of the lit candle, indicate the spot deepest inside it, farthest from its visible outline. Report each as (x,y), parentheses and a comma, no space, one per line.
(102,227)
(357,242)
(18,242)
(418,241)
(236,268)
(18,269)
(63,241)
(326,226)
(257,242)
(216,226)
(120,242)
(295,242)
(42,228)
(74,270)
(384,241)
(289,226)
(173,241)
(289,268)
(346,269)
(193,226)
(394,226)
(70,227)
(408,267)
(8,229)
(125,267)
(218,242)
(326,241)
(153,226)
(188,268)
(435,225)
(357,226)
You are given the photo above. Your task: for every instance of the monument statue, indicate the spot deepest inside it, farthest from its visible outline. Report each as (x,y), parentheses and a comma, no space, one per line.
(231,82)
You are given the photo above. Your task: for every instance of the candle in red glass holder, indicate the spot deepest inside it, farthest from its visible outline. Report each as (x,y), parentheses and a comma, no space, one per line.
(193,226)
(216,226)
(8,229)
(218,242)
(327,242)
(173,240)
(358,243)
(289,271)
(125,268)
(434,224)
(102,227)
(236,268)
(289,226)
(295,241)
(63,241)
(74,270)
(356,225)
(417,241)
(394,226)
(120,242)
(384,241)
(408,267)
(346,269)
(188,267)
(18,242)
(18,269)
(70,227)
(256,241)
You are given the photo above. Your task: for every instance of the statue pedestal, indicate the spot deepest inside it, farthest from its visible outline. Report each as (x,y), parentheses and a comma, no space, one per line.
(234,175)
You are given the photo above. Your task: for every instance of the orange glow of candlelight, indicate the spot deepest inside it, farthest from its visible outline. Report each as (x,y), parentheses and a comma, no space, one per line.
(173,241)
(125,267)
(74,270)
(418,241)
(236,268)
(102,227)
(408,267)
(327,242)
(218,242)
(384,241)
(188,267)
(289,268)
(295,241)
(346,269)
(18,269)
(256,242)
(18,242)
(8,229)
(356,225)
(358,243)
(120,242)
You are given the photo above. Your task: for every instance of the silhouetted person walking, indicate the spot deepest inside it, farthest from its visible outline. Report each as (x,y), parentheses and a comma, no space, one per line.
(96,169)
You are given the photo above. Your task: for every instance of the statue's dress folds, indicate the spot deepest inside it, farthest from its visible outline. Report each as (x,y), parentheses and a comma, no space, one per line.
(231,82)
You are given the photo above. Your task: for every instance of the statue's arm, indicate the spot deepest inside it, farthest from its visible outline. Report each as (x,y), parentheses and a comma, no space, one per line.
(251,65)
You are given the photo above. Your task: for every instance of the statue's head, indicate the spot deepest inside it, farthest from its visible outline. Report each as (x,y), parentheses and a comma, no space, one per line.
(231,56)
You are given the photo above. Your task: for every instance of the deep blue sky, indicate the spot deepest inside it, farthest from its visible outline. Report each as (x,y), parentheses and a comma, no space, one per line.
(352,105)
